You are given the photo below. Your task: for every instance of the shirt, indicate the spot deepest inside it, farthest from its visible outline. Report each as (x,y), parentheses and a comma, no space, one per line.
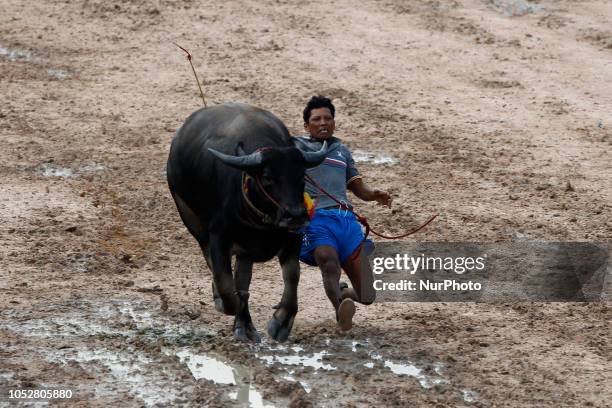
(334,174)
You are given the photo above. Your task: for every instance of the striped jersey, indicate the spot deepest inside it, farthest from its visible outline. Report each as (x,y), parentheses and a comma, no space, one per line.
(334,174)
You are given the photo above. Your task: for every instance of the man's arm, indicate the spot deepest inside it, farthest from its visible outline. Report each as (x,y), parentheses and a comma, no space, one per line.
(358,187)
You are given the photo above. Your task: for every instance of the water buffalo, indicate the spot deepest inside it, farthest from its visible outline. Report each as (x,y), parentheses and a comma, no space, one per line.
(238,180)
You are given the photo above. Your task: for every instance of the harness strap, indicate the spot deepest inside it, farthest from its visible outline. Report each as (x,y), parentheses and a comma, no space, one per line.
(268,196)
(265,218)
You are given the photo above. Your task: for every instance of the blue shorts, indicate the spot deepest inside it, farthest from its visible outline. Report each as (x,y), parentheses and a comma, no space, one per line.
(335,228)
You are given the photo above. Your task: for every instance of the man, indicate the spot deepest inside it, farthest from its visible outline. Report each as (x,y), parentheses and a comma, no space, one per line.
(334,239)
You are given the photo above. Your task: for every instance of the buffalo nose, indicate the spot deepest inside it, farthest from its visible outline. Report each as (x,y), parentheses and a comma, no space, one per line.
(297,216)
(297,212)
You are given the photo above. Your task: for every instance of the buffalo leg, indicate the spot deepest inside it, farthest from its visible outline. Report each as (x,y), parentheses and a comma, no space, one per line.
(279,326)
(197,228)
(220,258)
(216,298)
(243,325)
(193,223)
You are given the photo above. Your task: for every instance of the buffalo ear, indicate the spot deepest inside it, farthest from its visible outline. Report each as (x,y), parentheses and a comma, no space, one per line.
(240,149)
(247,162)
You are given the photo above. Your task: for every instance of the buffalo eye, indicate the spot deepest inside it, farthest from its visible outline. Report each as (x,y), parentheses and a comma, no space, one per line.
(266,178)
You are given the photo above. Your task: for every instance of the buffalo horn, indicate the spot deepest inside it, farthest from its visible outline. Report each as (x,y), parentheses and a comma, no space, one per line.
(240,162)
(315,157)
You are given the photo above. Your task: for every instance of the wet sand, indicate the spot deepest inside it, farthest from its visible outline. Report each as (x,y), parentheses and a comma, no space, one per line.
(494,114)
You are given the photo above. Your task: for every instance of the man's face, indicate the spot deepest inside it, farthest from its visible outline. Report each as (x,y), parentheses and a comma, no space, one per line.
(321,124)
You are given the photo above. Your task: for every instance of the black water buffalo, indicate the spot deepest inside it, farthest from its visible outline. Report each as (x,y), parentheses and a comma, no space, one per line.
(242,204)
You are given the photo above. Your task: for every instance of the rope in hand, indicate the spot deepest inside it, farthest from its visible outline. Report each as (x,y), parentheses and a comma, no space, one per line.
(363,220)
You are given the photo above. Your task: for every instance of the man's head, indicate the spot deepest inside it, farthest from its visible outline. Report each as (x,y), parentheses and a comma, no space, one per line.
(319,117)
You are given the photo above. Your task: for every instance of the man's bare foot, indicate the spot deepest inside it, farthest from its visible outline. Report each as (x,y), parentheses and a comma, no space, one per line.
(345,291)
(346,311)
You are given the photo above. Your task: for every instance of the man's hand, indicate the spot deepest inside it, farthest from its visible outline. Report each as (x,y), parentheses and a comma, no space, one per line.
(365,193)
(382,197)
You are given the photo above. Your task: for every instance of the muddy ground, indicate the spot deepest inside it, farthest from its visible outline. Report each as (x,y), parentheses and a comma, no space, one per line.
(494,114)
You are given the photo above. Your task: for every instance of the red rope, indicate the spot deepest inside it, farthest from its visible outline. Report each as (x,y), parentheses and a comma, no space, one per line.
(363,220)
(261,187)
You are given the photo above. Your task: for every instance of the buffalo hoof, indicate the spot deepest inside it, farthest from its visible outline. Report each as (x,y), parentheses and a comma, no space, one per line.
(279,331)
(221,307)
(242,334)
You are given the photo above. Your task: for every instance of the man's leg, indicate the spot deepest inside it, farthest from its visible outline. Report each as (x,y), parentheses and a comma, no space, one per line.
(358,270)
(327,260)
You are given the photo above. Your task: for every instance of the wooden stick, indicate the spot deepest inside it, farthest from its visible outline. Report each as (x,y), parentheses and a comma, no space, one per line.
(194,72)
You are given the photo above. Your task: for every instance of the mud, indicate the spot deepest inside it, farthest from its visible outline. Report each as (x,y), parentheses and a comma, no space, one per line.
(494,114)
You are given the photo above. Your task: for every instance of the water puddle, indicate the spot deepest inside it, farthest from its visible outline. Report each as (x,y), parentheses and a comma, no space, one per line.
(57,73)
(206,367)
(404,369)
(209,368)
(19,55)
(315,360)
(411,370)
(140,372)
(512,8)
(118,320)
(303,367)
(91,167)
(307,367)
(129,369)
(15,54)
(249,398)
(5,376)
(142,318)
(51,170)
(361,156)
(136,351)
(469,396)
(291,378)
(63,327)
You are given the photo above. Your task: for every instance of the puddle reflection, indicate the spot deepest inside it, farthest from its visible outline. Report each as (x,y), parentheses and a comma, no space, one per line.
(209,368)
